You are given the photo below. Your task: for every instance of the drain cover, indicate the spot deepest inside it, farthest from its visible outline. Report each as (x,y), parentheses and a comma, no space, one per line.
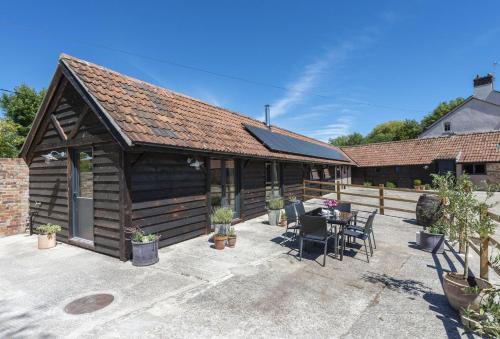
(89,304)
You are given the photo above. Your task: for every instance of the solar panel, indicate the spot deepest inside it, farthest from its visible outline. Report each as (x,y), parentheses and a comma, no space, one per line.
(284,143)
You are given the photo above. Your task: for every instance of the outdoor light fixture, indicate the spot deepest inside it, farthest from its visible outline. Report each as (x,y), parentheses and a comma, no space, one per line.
(426,167)
(53,156)
(195,163)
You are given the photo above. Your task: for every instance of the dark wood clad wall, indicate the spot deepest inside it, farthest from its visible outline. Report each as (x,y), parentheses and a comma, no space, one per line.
(168,197)
(49,182)
(254,189)
(293,176)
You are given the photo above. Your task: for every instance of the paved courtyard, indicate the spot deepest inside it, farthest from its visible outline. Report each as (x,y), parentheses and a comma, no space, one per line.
(258,289)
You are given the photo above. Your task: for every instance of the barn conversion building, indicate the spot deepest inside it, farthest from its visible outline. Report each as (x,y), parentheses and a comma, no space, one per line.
(107,152)
(401,162)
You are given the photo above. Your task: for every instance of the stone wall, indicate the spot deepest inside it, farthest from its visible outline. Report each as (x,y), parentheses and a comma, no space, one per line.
(14,204)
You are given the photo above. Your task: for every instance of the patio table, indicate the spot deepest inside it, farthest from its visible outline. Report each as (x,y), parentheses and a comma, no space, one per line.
(342,220)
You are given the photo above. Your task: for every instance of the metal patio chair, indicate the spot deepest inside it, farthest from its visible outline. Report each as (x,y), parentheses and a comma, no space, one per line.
(292,223)
(314,229)
(360,228)
(363,235)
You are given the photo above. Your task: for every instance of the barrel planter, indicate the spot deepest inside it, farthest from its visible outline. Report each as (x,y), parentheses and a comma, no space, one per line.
(431,242)
(428,207)
(144,253)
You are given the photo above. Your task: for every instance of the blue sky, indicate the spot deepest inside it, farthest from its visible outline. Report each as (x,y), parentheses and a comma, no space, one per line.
(343,66)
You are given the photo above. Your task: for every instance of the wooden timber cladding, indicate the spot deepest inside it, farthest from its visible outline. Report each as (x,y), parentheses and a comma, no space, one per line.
(293,175)
(50,182)
(254,189)
(168,197)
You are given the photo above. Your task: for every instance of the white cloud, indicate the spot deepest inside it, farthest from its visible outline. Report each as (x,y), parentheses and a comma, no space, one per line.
(300,89)
(342,126)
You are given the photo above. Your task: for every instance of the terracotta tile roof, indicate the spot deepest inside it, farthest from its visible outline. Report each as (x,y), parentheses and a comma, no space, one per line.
(146,113)
(465,148)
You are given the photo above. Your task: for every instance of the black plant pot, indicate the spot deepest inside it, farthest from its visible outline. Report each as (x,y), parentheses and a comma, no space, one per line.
(430,242)
(144,253)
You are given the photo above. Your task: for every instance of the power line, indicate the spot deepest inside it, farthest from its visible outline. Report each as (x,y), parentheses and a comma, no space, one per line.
(218,74)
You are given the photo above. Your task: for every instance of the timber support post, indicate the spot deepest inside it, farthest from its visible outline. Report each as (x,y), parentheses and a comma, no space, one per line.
(483,247)
(381,198)
(338,190)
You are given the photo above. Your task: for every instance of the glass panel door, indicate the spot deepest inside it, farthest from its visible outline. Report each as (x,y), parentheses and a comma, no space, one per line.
(83,195)
(224,185)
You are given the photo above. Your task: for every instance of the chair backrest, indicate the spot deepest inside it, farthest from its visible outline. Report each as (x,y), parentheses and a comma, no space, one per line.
(313,225)
(344,207)
(299,206)
(369,223)
(291,215)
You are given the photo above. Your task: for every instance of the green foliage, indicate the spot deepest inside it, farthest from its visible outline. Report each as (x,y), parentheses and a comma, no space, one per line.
(138,235)
(348,140)
(275,204)
(417,182)
(292,198)
(48,229)
(231,232)
(442,109)
(222,215)
(9,139)
(439,227)
(394,131)
(390,184)
(22,106)
(487,319)
(367,183)
(461,210)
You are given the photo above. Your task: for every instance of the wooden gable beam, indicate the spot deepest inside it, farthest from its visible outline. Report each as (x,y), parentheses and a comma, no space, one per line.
(78,123)
(58,127)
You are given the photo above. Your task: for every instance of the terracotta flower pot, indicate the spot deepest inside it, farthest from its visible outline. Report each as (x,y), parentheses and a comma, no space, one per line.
(231,241)
(46,241)
(454,285)
(220,242)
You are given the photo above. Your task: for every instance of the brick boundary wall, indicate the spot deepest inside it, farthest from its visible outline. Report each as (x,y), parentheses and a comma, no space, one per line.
(14,194)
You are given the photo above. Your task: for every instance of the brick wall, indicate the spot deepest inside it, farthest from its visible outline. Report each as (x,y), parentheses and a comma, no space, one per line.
(14,204)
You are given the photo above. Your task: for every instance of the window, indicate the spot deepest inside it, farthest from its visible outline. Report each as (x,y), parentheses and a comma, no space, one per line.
(314,174)
(473,169)
(447,126)
(224,184)
(326,173)
(273,184)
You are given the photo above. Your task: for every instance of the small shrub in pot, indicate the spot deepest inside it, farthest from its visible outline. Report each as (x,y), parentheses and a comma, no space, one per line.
(417,184)
(231,237)
(47,235)
(274,210)
(221,219)
(144,247)
(390,184)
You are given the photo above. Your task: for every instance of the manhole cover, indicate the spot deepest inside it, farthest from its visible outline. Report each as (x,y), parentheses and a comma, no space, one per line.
(89,304)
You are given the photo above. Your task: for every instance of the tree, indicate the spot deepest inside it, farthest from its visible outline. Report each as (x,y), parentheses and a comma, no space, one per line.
(9,139)
(21,106)
(348,140)
(393,131)
(442,109)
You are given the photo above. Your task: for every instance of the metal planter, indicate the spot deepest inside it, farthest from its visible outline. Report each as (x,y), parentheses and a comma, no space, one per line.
(145,253)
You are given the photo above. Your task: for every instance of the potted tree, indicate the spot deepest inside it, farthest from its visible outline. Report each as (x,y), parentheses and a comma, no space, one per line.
(461,210)
(417,184)
(47,235)
(221,219)
(432,238)
(144,247)
(274,210)
(231,237)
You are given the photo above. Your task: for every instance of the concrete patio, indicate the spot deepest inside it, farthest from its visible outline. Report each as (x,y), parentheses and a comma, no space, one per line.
(258,289)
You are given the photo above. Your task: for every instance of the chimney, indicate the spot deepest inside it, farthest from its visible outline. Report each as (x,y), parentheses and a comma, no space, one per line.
(268,115)
(483,86)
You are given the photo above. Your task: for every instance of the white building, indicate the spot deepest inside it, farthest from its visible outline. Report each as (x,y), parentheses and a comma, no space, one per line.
(478,113)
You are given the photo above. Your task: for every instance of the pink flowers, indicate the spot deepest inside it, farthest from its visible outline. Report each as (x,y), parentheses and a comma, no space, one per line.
(331,203)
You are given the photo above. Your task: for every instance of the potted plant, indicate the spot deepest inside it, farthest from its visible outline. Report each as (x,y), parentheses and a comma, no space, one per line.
(274,210)
(417,184)
(221,219)
(47,235)
(460,210)
(231,237)
(283,219)
(432,238)
(144,247)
